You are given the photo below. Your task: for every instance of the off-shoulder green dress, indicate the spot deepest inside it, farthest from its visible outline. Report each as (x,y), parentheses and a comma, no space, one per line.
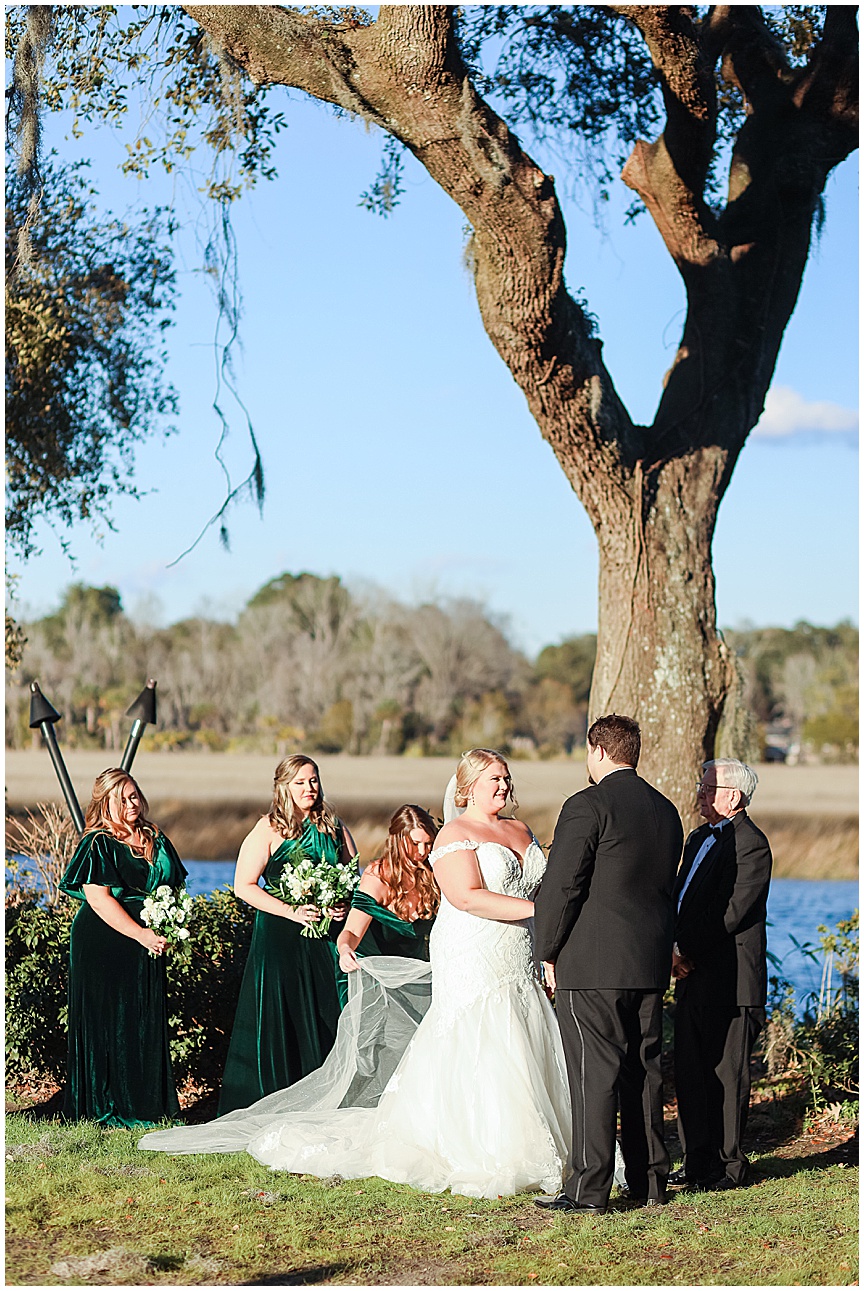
(387,934)
(288,1007)
(119,1067)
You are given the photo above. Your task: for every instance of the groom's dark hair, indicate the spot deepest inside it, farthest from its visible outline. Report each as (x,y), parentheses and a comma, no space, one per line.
(619,736)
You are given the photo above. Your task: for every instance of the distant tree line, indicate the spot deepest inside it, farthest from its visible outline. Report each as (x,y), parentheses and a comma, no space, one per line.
(802,685)
(310,664)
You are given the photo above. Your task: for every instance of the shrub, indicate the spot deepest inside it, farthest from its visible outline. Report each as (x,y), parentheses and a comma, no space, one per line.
(202,992)
(38,850)
(821,1048)
(37,971)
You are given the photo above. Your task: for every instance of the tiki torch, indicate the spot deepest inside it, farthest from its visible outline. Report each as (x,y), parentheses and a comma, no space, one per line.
(43,715)
(144,712)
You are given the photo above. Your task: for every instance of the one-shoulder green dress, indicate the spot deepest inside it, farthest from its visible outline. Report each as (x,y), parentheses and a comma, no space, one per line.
(119,1067)
(387,934)
(288,1007)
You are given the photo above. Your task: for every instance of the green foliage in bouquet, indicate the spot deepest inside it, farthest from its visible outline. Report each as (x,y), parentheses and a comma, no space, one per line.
(304,880)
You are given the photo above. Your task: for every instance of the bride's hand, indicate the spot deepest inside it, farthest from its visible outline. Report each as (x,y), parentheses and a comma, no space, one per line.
(304,914)
(348,961)
(338,912)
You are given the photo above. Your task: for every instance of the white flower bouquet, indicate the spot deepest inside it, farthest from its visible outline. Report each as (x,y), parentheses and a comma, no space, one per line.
(167,912)
(305,881)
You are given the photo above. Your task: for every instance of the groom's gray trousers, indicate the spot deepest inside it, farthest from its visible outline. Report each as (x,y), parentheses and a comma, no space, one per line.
(612,1044)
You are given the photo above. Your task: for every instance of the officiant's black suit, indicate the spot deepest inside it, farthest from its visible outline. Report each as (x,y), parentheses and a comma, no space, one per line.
(720,1004)
(604,915)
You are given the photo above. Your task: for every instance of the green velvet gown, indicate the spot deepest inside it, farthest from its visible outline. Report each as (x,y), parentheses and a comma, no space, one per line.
(387,934)
(288,1008)
(119,1068)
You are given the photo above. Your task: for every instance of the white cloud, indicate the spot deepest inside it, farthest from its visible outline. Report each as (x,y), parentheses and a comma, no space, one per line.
(787,413)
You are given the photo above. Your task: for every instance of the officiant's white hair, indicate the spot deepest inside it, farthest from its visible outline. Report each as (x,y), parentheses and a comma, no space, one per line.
(736,775)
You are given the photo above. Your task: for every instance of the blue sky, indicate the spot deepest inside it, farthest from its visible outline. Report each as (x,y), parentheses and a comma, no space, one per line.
(398,449)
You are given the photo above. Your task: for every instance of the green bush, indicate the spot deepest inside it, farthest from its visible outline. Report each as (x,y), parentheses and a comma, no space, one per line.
(820,1048)
(202,992)
(37,971)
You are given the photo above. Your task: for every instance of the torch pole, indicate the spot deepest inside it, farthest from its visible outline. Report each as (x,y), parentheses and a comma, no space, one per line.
(132,744)
(43,715)
(63,775)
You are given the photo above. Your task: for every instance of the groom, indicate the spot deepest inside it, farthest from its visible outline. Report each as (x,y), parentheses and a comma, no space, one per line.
(604,922)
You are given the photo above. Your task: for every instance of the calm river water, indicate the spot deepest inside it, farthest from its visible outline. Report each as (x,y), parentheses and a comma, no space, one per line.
(795,909)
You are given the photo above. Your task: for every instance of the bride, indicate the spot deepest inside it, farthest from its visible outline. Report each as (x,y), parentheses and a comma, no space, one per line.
(475,1097)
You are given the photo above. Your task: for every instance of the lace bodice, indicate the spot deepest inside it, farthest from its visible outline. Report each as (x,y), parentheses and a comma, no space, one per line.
(473,956)
(500,866)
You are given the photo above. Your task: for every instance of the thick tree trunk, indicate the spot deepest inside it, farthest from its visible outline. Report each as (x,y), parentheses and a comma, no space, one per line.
(660,658)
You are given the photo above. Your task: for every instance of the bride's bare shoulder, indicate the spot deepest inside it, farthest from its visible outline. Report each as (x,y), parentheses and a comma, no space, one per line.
(453,832)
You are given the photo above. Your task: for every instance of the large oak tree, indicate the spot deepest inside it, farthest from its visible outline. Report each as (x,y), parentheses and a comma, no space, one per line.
(766,96)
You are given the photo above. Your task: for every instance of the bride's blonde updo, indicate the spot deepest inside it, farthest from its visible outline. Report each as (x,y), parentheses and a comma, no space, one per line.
(471,766)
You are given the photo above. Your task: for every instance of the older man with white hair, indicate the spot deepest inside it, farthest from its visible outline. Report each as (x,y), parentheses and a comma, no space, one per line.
(721,975)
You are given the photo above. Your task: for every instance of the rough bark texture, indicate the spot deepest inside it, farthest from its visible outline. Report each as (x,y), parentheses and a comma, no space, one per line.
(652,493)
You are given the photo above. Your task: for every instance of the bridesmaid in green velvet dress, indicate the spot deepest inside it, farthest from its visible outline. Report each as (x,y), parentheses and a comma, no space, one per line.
(393,909)
(288,1007)
(119,1068)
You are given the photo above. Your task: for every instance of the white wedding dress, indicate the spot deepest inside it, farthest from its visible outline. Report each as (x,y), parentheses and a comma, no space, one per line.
(474,1098)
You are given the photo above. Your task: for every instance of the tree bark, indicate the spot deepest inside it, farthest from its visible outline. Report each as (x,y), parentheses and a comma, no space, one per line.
(651,493)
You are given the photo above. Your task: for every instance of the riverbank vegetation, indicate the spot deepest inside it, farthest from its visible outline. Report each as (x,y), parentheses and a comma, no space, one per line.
(309,663)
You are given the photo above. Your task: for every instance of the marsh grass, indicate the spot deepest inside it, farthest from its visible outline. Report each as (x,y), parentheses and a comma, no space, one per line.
(804,846)
(86,1207)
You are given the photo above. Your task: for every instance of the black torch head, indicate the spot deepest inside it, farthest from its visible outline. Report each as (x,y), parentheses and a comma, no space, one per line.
(144,708)
(40,709)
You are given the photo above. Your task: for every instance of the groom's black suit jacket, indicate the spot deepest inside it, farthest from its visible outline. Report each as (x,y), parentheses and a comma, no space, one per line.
(720,927)
(604,913)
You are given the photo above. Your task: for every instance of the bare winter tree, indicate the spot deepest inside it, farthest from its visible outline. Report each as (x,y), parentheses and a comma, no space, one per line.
(652,492)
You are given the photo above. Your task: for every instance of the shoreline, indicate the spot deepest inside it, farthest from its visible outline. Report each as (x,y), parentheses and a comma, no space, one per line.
(208,802)
(804,846)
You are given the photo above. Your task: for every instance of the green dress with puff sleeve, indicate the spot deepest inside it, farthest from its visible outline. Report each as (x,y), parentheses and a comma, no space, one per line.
(119,1068)
(288,1007)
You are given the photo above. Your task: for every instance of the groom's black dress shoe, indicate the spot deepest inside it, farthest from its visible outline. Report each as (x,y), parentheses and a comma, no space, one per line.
(626,1195)
(565,1203)
(720,1185)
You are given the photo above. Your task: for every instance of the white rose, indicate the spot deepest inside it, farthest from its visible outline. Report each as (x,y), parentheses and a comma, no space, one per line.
(182,934)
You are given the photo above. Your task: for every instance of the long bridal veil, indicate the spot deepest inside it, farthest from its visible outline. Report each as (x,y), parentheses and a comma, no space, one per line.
(387,999)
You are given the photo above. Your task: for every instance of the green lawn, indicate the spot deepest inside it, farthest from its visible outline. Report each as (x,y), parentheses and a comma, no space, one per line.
(85,1206)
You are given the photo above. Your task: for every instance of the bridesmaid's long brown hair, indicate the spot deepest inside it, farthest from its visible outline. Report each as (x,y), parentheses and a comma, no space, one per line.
(399,868)
(107,792)
(283,814)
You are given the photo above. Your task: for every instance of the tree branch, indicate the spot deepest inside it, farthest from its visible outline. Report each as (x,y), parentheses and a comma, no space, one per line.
(687,82)
(405,73)
(828,86)
(281,46)
(669,174)
(753,58)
